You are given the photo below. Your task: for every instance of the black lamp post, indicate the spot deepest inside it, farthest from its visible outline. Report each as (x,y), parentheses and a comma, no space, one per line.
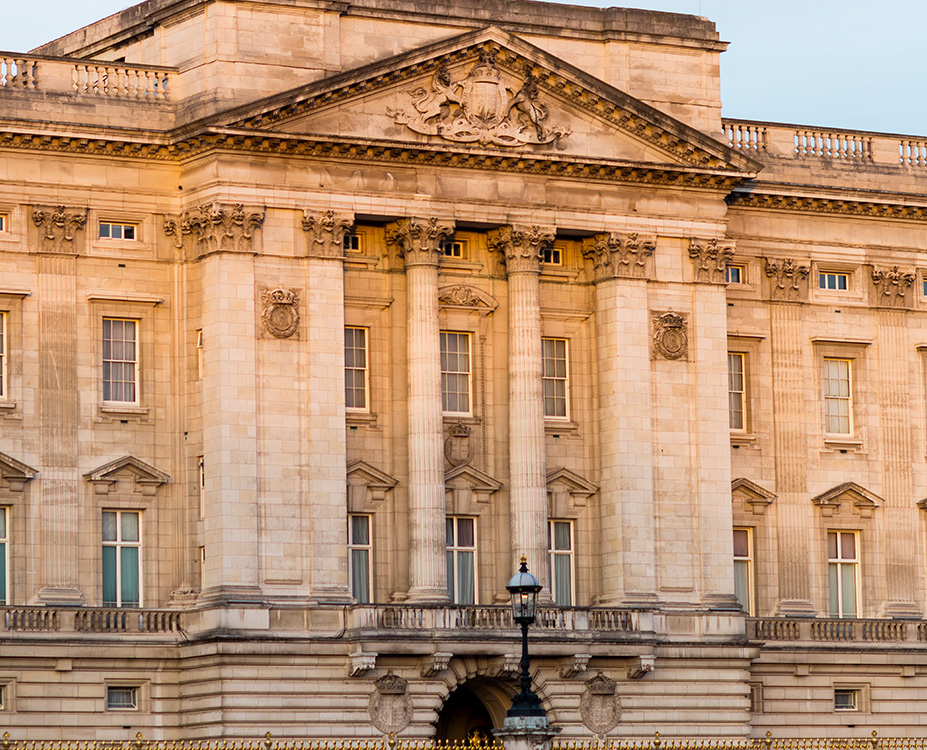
(524,589)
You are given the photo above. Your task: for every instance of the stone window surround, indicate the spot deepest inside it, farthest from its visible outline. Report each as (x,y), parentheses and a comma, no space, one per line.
(855,352)
(141,688)
(747,344)
(108,245)
(856,287)
(119,544)
(11,309)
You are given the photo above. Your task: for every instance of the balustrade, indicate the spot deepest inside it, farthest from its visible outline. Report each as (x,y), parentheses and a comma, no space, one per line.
(834,630)
(31,618)
(120,81)
(833,145)
(18,72)
(912,153)
(746,136)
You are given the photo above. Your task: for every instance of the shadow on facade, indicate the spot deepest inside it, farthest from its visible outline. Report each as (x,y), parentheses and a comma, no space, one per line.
(473,710)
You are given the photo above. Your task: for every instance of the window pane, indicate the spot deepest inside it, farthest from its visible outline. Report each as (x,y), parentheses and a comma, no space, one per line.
(561,535)
(834,584)
(2,523)
(3,571)
(360,575)
(848,590)
(130,527)
(109,577)
(848,546)
(109,526)
(450,575)
(360,532)
(831,545)
(465,578)
(130,587)
(104,230)
(741,543)
(449,532)
(563,584)
(742,584)
(465,536)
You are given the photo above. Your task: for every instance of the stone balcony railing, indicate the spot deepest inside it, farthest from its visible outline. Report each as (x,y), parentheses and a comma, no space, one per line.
(90,620)
(107,80)
(821,630)
(760,139)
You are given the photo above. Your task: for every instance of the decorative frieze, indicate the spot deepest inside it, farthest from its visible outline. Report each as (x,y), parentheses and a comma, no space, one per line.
(217,227)
(620,255)
(390,705)
(890,287)
(419,240)
(326,233)
(788,280)
(280,312)
(520,247)
(468,297)
(600,706)
(670,335)
(57,227)
(710,258)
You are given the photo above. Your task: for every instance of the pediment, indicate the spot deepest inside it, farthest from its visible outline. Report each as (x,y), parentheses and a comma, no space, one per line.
(15,473)
(486,90)
(850,494)
(472,478)
(751,494)
(362,473)
(135,474)
(571,482)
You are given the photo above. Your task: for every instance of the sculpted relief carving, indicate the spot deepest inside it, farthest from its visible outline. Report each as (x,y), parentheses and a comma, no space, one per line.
(57,227)
(217,227)
(480,108)
(670,336)
(620,255)
(600,706)
(711,258)
(891,286)
(390,704)
(788,280)
(280,312)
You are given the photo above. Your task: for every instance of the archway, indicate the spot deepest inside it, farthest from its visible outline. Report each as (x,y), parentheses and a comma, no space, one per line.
(473,710)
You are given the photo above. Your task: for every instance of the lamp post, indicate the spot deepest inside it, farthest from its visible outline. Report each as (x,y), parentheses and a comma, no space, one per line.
(524,589)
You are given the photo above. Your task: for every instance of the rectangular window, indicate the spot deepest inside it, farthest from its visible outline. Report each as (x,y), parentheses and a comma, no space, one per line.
(199,354)
(834,281)
(4,557)
(553,256)
(4,222)
(555,378)
(116,231)
(355,368)
(121,698)
(455,372)
(735,274)
(201,482)
(202,560)
(360,557)
(743,569)
(838,400)
(120,360)
(454,249)
(352,243)
(4,360)
(736,391)
(843,572)
(560,549)
(846,700)
(122,547)
(461,559)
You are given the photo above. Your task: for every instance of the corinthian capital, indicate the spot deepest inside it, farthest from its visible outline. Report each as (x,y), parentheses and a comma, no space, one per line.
(326,232)
(520,246)
(419,240)
(57,227)
(619,255)
(710,258)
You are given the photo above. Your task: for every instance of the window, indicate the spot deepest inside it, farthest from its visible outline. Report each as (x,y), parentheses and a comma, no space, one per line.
(360,557)
(560,549)
(352,243)
(846,700)
(4,222)
(122,546)
(201,481)
(120,360)
(202,561)
(735,274)
(736,391)
(834,281)
(843,565)
(455,372)
(461,559)
(355,368)
(743,569)
(552,256)
(4,557)
(837,396)
(113,231)
(555,380)
(121,698)
(199,354)
(4,364)
(454,249)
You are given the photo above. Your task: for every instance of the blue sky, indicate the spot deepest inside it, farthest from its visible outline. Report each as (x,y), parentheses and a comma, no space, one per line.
(833,63)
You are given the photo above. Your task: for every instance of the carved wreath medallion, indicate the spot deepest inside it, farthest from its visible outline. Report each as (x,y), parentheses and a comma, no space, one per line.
(390,706)
(280,313)
(670,336)
(600,707)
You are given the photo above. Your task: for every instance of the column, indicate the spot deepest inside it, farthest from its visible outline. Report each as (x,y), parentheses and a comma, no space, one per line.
(626,435)
(418,242)
(327,447)
(520,249)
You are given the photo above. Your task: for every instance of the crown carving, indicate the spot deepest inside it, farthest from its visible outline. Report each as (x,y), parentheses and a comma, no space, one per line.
(601,685)
(392,684)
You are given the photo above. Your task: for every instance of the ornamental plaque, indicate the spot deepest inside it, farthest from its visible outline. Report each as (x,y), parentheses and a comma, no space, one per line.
(600,707)
(390,704)
(670,337)
(280,312)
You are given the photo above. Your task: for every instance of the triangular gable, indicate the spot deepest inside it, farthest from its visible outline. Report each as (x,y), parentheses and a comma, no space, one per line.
(147,478)
(850,494)
(566,491)
(429,97)
(470,476)
(15,473)
(367,485)
(754,496)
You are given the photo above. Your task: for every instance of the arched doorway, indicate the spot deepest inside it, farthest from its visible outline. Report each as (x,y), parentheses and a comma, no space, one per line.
(473,710)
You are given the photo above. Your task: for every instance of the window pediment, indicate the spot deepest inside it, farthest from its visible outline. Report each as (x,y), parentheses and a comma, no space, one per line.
(367,485)
(845,497)
(567,490)
(137,475)
(15,473)
(466,484)
(755,497)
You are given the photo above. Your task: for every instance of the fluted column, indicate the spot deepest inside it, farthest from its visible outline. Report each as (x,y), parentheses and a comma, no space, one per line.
(625,409)
(520,248)
(327,468)
(418,241)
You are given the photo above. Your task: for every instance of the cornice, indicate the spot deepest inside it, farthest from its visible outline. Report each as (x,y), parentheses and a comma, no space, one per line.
(807,204)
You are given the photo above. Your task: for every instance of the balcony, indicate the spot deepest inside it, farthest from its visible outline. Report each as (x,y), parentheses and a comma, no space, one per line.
(838,632)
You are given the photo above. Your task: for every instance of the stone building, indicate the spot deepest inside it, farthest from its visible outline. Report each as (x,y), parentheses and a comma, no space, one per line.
(315,317)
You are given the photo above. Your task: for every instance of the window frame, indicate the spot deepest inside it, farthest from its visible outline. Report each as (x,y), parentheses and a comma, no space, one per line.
(366,370)
(199,353)
(565,417)
(445,353)
(740,268)
(552,255)
(750,560)
(744,425)
(829,399)
(4,356)
(367,547)
(352,243)
(841,562)
(5,222)
(123,225)
(120,544)
(459,249)
(136,363)
(553,554)
(136,691)
(5,536)
(453,552)
(825,275)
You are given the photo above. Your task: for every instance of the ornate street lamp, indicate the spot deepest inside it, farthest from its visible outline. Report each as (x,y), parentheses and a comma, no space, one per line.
(524,589)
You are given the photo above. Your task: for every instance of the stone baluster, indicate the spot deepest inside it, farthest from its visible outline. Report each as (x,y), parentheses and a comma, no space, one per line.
(520,249)
(418,242)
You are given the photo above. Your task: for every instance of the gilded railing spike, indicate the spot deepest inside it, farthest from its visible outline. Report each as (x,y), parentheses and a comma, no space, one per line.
(656,739)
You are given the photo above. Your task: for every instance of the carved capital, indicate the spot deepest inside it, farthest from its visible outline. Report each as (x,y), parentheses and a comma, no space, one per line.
(788,281)
(890,287)
(710,258)
(616,255)
(419,240)
(57,227)
(326,233)
(218,227)
(670,336)
(520,247)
